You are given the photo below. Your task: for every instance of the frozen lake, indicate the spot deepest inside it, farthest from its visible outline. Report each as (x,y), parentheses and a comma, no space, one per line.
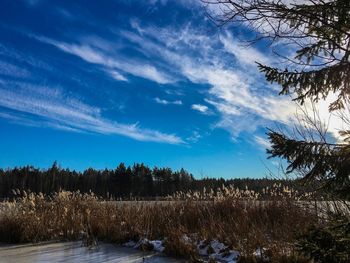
(74,252)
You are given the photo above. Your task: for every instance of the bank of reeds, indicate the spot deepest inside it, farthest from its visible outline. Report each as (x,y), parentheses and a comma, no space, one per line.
(232,216)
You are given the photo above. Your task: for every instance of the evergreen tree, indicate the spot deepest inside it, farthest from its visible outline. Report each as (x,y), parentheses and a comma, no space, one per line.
(321,32)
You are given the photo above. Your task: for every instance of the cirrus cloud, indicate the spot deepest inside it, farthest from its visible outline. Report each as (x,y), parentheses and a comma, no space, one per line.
(53,108)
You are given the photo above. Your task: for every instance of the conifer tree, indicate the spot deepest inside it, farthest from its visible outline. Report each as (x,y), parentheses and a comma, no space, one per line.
(319,30)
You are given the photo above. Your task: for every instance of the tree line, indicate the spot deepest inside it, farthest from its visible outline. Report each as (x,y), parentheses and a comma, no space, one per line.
(127,182)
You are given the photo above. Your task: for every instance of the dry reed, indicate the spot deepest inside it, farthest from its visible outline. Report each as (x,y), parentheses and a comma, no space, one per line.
(235,217)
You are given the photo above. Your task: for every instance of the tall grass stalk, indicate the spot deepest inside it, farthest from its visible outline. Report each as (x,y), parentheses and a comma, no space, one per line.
(235,217)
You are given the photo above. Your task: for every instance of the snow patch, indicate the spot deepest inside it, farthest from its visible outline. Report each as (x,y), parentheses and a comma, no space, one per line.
(260,253)
(157,245)
(211,250)
(129,244)
(145,244)
(218,251)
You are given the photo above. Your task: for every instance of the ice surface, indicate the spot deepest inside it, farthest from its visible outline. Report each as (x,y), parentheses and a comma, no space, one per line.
(75,252)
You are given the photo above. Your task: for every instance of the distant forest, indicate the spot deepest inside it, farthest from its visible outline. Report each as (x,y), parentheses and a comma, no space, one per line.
(127,182)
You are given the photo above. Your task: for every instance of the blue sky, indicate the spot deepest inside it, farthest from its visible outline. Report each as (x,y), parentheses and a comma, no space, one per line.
(96,83)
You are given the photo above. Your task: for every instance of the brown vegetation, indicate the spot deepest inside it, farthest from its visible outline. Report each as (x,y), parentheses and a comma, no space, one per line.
(237,220)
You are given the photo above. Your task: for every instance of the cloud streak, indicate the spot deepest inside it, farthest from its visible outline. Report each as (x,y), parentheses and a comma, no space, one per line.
(95,55)
(50,107)
(236,91)
(167,102)
(262,142)
(201,108)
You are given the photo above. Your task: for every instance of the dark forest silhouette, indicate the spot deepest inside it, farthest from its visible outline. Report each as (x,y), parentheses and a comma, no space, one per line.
(124,182)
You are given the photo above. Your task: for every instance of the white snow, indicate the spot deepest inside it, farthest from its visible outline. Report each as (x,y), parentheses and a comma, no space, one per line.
(156,244)
(260,253)
(217,251)
(129,244)
(213,250)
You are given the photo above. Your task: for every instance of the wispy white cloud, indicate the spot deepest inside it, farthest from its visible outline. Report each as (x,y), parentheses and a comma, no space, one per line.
(20,60)
(236,89)
(23,119)
(195,137)
(167,102)
(235,125)
(50,107)
(175,91)
(117,76)
(245,54)
(201,108)
(224,108)
(12,70)
(89,53)
(262,142)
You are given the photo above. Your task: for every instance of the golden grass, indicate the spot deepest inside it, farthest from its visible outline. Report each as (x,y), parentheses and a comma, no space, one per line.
(231,216)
